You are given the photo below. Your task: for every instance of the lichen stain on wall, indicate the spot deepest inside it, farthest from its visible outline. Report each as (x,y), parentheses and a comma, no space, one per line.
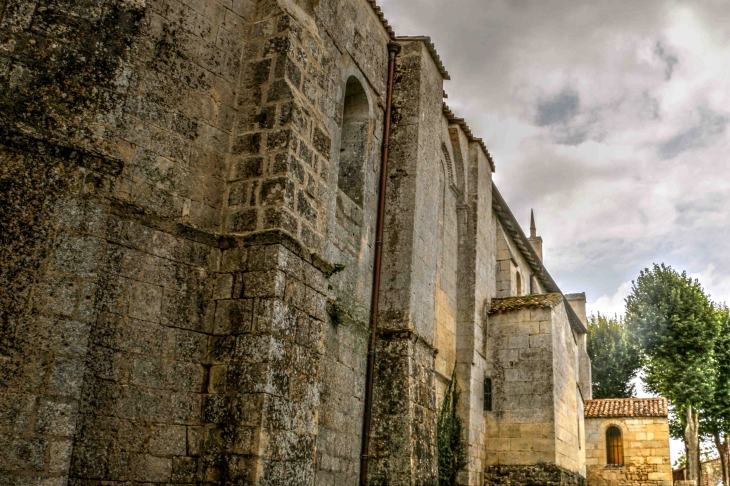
(62,63)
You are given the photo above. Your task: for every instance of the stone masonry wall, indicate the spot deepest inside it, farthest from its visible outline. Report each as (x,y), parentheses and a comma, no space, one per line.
(404,443)
(569,426)
(447,253)
(475,284)
(354,46)
(542,474)
(538,410)
(521,427)
(279,160)
(55,243)
(646,452)
(184,295)
(121,336)
(510,263)
(96,186)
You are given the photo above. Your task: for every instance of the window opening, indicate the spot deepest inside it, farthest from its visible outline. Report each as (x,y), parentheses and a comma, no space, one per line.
(487,394)
(354,141)
(614,447)
(518,279)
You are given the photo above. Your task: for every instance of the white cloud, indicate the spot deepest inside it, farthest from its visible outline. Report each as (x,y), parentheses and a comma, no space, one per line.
(610,305)
(716,284)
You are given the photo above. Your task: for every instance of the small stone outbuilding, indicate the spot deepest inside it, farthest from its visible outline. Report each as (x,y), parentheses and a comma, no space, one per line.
(534,362)
(627,442)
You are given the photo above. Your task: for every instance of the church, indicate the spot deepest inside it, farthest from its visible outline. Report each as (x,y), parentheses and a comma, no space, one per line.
(247,242)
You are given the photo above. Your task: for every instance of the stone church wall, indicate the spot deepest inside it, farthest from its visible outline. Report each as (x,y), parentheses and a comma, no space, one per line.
(186,257)
(108,272)
(514,275)
(521,426)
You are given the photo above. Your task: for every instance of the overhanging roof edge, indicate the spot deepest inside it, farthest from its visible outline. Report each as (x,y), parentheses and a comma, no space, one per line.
(509,222)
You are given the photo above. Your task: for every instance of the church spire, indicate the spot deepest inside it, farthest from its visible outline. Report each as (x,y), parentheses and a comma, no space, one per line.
(533,230)
(535,240)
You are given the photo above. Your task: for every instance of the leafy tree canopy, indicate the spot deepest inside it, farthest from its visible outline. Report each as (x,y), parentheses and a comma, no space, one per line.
(614,356)
(717,414)
(675,325)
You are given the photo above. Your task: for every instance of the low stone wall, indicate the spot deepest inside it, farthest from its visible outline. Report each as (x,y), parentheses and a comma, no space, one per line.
(542,474)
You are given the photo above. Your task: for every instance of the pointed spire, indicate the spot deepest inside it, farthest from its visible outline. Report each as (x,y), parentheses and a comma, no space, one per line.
(533,230)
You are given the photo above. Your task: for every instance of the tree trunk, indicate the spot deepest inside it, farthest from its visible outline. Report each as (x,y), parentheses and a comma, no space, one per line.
(723,448)
(692,446)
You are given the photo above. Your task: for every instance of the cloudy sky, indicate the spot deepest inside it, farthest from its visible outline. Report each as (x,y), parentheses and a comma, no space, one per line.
(609,118)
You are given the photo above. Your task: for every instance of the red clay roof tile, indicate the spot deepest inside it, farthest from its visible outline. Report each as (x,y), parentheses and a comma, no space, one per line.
(626,407)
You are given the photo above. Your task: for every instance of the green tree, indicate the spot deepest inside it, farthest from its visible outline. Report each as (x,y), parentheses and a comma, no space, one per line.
(716,421)
(614,356)
(675,324)
(452,450)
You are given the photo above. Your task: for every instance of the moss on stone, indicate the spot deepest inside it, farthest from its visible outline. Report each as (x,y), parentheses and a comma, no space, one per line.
(541,301)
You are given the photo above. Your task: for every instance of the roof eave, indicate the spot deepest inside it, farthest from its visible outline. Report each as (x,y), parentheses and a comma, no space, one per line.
(431,50)
(451,118)
(383,20)
(510,224)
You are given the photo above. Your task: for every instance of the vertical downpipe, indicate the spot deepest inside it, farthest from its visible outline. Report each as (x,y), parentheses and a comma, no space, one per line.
(393,50)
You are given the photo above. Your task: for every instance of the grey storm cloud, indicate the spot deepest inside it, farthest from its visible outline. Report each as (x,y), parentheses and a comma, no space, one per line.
(560,109)
(649,107)
(696,211)
(562,114)
(706,132)
(669,59)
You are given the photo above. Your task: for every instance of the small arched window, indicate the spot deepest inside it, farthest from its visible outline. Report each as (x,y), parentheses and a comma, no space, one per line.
(518,280)
(354,141)
(614,447)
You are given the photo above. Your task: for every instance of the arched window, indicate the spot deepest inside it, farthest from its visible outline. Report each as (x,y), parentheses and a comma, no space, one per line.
(518,280)
(614,447)
(354,141)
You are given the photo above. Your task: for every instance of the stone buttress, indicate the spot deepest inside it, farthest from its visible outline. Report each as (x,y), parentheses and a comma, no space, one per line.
(146,335)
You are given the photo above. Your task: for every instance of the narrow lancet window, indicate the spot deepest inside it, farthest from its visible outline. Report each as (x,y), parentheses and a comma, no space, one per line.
(354,141)
(487,394)
(614,447)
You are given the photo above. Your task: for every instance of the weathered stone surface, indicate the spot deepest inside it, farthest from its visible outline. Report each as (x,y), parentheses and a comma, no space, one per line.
(646,456)
(543,474)
(189,192)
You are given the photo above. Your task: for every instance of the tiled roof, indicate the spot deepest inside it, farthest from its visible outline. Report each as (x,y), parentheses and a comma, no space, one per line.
(423,38)
(544,301)
(431,50)
(470,136)
(626,407)
(383,21)
(512,227)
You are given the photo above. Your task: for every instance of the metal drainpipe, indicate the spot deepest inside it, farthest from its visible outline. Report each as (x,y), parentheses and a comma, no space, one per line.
(393,50)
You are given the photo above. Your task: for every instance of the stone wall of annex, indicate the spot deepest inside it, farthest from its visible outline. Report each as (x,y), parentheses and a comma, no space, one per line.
(537,412)
(568,399)
(645,448)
